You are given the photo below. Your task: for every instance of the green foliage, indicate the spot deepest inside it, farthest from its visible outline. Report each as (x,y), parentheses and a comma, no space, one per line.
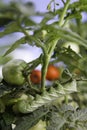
(68,117)
(4,89)
(31,119)
(16,45)
(62,103)
(11,28)
(47,97)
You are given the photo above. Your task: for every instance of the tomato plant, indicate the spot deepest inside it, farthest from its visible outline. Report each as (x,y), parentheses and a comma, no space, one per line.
(35,76)
(53,73)
(61,35)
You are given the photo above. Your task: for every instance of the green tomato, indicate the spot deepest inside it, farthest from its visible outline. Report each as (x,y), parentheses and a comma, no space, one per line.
(41,125)
(73,46)
(12,72)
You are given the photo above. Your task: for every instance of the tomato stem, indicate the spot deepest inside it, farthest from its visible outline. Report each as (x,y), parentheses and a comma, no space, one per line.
(31,65)
(48,52)
(44,71)
(64,12)
(66,99)
(46,60)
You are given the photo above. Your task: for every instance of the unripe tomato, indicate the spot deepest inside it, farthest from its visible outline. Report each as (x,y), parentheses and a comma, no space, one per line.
(12,72)
(73,46)
(53,73)
(35,76)
(41,125)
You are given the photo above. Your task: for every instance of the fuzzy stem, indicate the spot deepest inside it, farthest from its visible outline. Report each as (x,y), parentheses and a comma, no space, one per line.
(63,13)
(46,59)
(47,51)
(66,99)
(51,48)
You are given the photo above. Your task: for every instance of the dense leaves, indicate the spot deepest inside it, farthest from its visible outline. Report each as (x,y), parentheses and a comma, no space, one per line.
(27,121)
(68,117)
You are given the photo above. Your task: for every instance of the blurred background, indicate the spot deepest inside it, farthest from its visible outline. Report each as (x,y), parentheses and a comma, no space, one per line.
(26,52)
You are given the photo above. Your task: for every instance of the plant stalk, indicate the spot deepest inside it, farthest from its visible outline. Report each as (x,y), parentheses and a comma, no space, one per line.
(48,52)
(64,12)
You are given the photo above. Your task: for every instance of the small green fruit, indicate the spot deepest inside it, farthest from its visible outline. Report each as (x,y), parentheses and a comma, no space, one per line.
(12,72)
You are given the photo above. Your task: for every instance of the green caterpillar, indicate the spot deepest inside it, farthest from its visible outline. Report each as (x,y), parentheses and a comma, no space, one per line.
(24,106)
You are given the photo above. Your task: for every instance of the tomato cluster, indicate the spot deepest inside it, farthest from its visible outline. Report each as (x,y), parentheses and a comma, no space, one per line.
(13,73)
(53,73)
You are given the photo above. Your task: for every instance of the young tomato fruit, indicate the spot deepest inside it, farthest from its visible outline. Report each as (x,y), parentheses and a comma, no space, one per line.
(53,73)
(41,125)
(35,76)
(12,72)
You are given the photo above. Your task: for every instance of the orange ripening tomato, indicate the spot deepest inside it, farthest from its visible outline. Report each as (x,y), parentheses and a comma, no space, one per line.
(35,76)
(53,73)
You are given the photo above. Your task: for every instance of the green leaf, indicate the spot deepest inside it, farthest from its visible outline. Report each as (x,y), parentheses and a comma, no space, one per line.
(57,122)
(3,126)
(46,98)
(81,127)
(27,121)
(5,89)
(80,115)
(15,45)
(9,118)
(8,12)
(59,118)
(4,60)
(83,1)
(74,15)
(83,64)
(79,5)
(68,35)
(35,41)
(2,106)
(71,87)
(11,28)
(83,8)
(64,108)
(47,17)
(28,22)
(65,116)
(5,21)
